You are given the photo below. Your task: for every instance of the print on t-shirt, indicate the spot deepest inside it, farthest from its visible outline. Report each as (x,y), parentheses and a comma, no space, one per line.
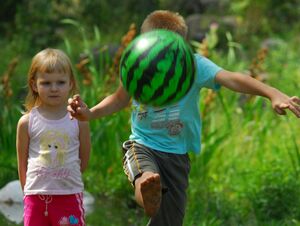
(53,146)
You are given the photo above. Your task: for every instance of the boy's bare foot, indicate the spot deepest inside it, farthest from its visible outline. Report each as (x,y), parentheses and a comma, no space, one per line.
(151,194)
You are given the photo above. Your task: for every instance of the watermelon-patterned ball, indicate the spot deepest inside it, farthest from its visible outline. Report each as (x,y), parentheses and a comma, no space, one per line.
(157,68)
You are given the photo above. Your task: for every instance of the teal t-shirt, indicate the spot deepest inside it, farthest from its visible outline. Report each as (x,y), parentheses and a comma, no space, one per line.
(175,128)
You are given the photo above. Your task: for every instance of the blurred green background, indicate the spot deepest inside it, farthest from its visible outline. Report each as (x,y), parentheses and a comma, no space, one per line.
(248,170)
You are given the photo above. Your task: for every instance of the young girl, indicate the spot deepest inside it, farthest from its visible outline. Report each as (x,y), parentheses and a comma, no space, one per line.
(52,150)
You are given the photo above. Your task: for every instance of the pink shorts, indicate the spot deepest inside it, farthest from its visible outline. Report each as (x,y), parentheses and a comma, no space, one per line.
(54,210)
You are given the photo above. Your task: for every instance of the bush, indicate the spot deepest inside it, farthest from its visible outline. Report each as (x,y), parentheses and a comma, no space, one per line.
(277,197)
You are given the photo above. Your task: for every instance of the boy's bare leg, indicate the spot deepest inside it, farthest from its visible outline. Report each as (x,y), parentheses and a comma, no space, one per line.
(148,192)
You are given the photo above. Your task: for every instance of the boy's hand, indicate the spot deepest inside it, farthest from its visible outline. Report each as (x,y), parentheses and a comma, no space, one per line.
(78,109)
(282,102)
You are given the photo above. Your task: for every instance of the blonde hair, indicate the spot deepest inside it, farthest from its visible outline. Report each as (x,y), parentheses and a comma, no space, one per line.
(164,19)
(47,61)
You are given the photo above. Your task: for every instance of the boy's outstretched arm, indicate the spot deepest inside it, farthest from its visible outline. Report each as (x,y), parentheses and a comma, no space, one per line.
(109,105)
(246,84)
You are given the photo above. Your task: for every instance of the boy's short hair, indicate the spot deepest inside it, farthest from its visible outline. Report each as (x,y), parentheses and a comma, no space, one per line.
(164,19)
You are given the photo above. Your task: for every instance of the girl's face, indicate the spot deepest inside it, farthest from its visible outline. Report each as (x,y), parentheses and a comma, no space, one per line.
(52,88)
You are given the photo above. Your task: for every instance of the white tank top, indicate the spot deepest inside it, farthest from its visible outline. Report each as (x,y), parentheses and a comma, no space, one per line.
(53,162)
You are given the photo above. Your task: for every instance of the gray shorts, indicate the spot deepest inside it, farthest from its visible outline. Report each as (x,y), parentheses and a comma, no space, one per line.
(173,170)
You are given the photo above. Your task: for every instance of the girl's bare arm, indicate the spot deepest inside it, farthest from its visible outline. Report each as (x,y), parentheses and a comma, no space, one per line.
(22,144)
